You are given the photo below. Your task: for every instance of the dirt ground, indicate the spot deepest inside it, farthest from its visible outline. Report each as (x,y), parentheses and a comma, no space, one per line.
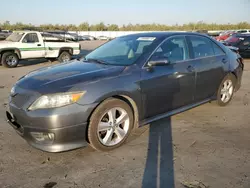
(207,146)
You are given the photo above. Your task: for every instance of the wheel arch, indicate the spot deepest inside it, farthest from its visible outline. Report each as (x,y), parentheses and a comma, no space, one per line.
(131,102)
(14,50)
(233,73)
(132,105)
(65,49)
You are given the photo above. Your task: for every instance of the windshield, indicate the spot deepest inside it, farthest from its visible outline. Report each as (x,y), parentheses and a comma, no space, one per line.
(121,51)
(15,37)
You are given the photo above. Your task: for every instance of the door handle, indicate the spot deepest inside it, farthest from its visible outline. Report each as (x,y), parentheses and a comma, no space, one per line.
(224,60)
(39,45)
(190,68)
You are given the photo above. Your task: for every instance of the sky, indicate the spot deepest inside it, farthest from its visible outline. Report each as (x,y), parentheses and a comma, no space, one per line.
(124,11)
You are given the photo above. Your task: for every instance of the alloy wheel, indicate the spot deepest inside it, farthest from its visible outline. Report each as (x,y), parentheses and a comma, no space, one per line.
(113,126)
(227,91)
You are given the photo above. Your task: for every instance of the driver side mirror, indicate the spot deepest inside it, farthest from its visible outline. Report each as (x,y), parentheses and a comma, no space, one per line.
(161,62)
(154,63)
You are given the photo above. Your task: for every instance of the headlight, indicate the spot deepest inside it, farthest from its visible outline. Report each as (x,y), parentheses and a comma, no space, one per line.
(56,100)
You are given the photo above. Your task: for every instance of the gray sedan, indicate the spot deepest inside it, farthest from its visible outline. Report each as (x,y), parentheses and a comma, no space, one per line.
(124,84)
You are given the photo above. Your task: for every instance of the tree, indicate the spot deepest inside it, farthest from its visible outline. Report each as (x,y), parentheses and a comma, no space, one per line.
(113,27)
(7,25)
(83,26)
(129,27)
(100,27)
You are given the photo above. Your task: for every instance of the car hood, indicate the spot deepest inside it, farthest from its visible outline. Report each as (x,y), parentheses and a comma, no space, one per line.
(67,76)
(6,44)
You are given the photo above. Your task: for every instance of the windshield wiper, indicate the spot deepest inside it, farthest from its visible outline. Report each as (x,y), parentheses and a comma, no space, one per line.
(96,60)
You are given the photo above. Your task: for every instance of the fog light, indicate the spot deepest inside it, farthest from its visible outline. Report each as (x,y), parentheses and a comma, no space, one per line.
(43,137)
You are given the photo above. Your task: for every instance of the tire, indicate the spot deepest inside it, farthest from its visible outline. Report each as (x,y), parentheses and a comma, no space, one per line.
(64,57)
(10,60)
(98,138)
(224,96)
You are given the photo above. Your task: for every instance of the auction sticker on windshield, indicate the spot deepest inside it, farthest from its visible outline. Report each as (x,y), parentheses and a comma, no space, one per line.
(146,38)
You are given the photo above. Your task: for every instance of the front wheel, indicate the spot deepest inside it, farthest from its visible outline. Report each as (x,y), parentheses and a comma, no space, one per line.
(226,90)
(10,60)
(110,125)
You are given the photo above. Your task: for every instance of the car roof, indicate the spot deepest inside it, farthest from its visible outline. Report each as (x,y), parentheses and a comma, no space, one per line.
(25,31)
(164,34)
(243,35)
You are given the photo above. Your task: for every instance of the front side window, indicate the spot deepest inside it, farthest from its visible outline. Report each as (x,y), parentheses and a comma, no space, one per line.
(202,47)
(122,51)
(30,38)
(173,49)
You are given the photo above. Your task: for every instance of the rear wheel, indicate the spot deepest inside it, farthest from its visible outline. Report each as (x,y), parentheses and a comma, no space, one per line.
(110,125)
(226,90)
(10,60)
(64,57)
(51,59)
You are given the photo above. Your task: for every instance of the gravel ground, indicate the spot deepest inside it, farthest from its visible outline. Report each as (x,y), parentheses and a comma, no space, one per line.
(207,146)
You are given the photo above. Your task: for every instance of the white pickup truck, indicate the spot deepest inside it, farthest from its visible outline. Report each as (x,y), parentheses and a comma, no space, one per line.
(32,45)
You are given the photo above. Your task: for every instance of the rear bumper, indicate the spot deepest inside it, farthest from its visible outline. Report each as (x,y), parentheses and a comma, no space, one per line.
(67,128)
(76,52)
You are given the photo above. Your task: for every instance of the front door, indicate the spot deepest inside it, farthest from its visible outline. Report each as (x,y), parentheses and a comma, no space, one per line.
(168,87)
(32,47)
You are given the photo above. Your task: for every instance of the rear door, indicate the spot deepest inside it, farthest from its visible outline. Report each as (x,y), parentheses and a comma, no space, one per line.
(32,47)
(211,64)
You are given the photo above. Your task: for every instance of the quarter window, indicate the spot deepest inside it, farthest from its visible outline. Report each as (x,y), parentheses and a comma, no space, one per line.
(174,50)
(217,49)
(202,46)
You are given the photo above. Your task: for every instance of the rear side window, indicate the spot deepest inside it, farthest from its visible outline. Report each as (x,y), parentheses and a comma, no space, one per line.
(217,49)
(242,31)
(202,47)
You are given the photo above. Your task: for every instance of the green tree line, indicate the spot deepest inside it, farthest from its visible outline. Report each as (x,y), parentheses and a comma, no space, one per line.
(129,27)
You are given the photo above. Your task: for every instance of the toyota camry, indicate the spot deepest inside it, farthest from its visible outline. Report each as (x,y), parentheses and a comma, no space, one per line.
(126,83)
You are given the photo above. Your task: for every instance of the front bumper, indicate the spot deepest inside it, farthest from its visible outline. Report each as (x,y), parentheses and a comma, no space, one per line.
(68,125)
